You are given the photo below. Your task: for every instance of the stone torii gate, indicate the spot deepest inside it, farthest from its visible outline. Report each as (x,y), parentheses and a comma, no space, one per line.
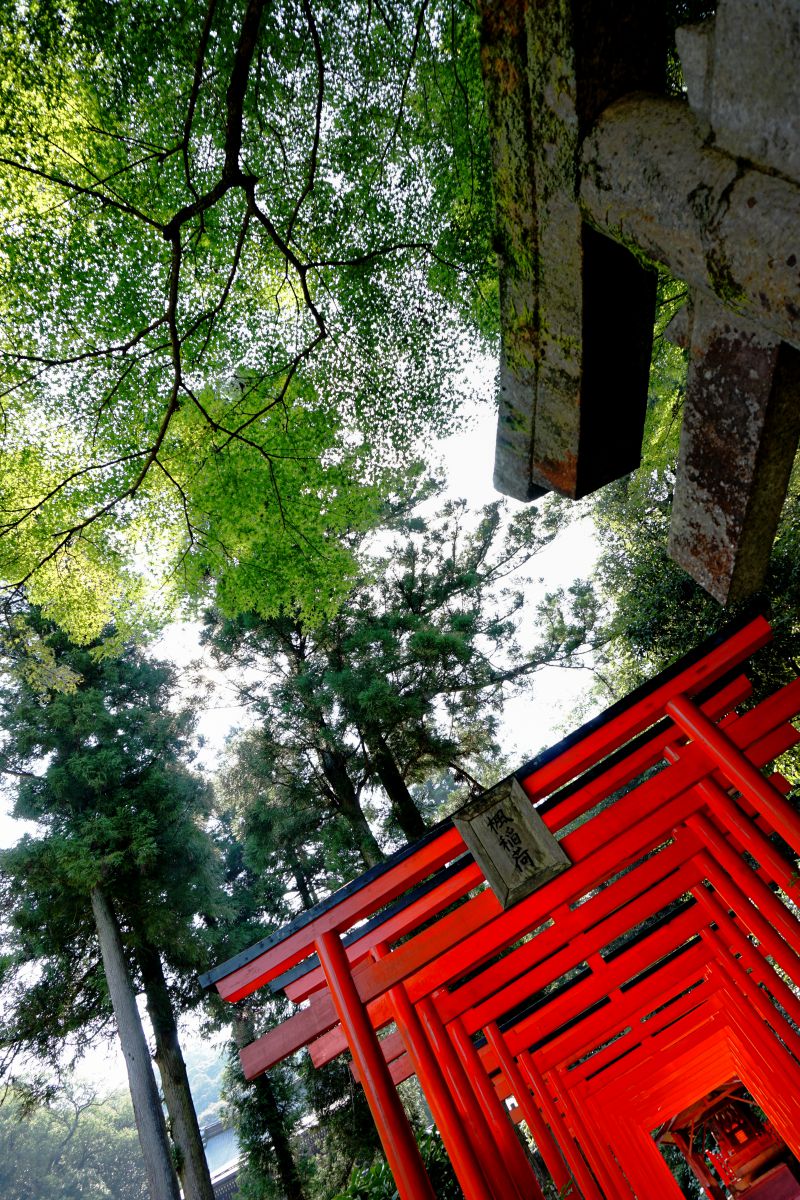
(599,173)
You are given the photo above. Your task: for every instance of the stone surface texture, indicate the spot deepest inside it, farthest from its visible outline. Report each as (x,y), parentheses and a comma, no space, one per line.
(740,429)
(755,89)
(503,62)
(695,45)
(510,842)
(650,180)
(568,298)
(599,175)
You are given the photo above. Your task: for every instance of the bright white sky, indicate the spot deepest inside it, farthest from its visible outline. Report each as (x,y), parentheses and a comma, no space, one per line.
(530,722)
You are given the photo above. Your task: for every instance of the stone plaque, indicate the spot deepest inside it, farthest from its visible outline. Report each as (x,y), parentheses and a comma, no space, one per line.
(510,842)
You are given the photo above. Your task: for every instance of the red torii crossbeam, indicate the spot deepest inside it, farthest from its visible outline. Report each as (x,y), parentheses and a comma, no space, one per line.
(654,969)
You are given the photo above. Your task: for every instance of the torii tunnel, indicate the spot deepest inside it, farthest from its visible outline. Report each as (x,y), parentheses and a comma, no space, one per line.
(652,976)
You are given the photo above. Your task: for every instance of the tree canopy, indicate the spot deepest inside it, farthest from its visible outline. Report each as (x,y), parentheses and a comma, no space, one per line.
(110,888)
(243,247)
(74,1147)
(402,685)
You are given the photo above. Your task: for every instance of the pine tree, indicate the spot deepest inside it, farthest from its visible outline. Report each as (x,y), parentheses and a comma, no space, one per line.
(404,683)
(120,863)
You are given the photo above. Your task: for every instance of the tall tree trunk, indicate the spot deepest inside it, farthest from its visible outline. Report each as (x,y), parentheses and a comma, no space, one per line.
(404,809)
(335,770)
(305,886)
(243,1034)
(161,1179)
(192,1166)
(368,846)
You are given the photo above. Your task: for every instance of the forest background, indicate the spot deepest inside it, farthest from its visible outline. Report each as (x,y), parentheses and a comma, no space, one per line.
(248,261)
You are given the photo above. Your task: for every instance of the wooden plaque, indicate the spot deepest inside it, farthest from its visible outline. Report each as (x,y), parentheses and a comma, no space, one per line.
(510,842)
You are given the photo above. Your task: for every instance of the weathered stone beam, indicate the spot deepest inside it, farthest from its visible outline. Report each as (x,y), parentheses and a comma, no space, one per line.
(576,309)
(738,439)
(754,86)
(651,181)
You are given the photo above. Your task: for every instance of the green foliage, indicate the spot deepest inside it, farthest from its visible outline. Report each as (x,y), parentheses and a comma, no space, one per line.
(684,1175)
(401,688)
(376,1182)
(71,1148)
(245,251)
(259,1110)
(101,771)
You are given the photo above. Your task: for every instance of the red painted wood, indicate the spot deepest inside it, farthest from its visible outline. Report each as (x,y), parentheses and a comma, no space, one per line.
(539,1129)
(731,816)
(736,899)
(396,927)
(753,958)
(594,1146)
(553,945)
(558,1124)
(738,769)
(519,1168)
(626,1007)
(397,1137)
(632,721)
(473,1115)
(633,765)
(768,904)
(757,970)
(445,1113)
(383,890)
(579,948)
(569,926)
(639,1040)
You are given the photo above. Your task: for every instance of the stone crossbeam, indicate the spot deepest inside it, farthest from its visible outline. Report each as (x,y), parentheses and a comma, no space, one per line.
(599,175)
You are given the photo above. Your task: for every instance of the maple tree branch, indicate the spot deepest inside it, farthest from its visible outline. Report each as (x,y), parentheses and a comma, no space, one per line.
(212,314)
(96,352)
(404,89)
(301,269)
(184,500)
(312,162)
(120,205)
(29,512)
(195,92)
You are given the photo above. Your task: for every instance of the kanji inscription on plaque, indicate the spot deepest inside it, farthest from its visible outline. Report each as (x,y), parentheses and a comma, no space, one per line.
(510,842)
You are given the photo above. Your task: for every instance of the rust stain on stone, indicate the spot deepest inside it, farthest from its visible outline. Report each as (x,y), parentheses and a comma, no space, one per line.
(561,474)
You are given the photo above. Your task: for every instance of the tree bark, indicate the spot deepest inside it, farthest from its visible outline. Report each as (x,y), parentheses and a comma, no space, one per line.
(192,1166)
(368,846)
(305,887)
(243,1034)
(161,1179)
(404,809)
(335,772)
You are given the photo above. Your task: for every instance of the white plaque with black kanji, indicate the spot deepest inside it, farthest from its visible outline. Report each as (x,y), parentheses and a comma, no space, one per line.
(510,842)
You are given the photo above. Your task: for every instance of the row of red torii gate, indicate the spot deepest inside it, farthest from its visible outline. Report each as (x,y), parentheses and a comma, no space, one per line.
(603,948)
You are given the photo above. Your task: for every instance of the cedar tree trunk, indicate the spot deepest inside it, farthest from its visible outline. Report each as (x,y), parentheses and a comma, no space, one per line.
(192,1166)
(404,809)
(273,1117)
(335,771)
(161,1180)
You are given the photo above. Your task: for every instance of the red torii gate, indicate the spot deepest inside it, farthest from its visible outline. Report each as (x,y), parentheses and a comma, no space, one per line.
(657,967)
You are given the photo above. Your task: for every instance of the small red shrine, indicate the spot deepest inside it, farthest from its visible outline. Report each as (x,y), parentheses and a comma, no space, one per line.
(641,992)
